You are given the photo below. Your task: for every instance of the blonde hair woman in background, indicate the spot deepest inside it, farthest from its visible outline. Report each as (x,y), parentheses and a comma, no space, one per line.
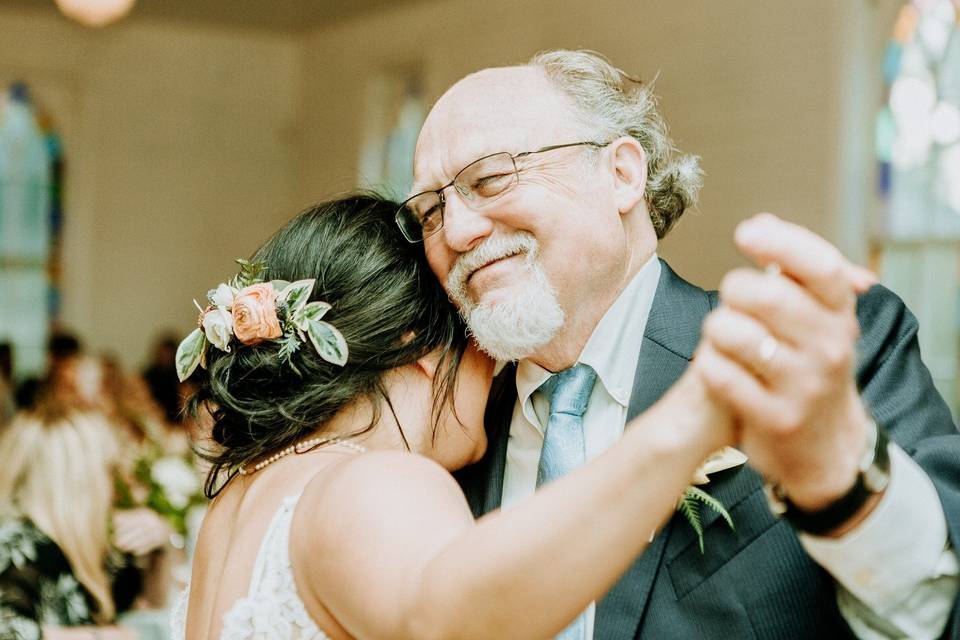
(56,489)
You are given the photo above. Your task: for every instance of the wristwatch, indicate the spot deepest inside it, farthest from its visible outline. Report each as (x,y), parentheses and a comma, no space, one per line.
(873,477)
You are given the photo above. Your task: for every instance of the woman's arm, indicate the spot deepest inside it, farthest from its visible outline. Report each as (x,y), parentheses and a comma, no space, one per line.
(397,554)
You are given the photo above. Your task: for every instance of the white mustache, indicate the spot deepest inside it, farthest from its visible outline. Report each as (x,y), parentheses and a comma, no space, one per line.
(486,252)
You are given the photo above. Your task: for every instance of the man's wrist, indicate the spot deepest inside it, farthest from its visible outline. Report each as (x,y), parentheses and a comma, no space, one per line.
(827,476)
(857,518)
(843,513)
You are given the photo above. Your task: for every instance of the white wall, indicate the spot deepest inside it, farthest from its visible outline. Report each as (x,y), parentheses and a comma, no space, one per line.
(180,157)
(188,146)
(760,90)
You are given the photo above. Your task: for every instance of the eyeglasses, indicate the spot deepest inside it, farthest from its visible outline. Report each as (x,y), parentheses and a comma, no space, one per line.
(479,183)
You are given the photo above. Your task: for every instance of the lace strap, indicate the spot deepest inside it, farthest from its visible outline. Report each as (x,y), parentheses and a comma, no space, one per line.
(277,537)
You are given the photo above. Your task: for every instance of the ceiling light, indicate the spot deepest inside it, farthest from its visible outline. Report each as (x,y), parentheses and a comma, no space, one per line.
(95,13)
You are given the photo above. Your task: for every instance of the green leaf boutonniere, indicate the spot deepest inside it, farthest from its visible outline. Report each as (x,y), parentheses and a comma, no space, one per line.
(694,497)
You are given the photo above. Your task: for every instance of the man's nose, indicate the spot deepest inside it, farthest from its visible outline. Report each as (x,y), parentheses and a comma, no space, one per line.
(463,227)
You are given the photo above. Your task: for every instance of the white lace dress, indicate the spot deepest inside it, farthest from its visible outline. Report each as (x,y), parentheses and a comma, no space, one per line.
(272,610)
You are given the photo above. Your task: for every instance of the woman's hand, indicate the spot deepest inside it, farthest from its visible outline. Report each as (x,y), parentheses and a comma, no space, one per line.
(139,531)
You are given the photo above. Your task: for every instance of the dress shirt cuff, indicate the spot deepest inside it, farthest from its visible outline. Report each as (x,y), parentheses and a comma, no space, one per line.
(896,548)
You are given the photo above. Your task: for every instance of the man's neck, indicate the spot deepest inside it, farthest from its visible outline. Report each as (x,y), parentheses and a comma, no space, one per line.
(562,352)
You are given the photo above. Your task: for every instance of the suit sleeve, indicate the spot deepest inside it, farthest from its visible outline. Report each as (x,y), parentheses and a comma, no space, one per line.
(897,573)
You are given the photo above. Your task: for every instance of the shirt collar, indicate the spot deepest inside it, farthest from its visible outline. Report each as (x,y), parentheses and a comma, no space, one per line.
(614,345)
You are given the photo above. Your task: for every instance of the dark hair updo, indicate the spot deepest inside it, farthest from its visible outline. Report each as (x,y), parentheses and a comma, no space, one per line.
(385,301)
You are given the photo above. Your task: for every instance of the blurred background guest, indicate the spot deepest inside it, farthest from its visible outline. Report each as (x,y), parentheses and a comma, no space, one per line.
(161,376)
(152,486)
(58,383)
(57,565)
(129,401)
(154,477)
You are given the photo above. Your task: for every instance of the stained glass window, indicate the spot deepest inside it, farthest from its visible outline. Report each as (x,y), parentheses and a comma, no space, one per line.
(918,128)
(395,111)
(27,213)
(918,155)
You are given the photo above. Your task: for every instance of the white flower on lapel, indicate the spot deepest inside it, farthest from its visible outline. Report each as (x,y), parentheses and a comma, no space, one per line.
(720,460)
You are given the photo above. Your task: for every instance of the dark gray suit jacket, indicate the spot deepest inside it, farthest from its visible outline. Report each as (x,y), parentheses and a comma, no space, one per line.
(756,581)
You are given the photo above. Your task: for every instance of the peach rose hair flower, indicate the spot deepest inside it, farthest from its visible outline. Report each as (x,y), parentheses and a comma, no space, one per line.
(255,314)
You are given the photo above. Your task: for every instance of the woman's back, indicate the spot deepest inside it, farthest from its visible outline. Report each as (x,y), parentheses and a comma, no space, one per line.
(243,584)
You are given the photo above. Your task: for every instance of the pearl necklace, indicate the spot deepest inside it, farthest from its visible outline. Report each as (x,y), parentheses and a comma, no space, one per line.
(301,447)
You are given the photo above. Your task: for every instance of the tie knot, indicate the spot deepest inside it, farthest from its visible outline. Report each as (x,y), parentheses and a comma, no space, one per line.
(569,391)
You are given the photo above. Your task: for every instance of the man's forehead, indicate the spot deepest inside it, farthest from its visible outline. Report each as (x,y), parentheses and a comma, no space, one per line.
(504,109)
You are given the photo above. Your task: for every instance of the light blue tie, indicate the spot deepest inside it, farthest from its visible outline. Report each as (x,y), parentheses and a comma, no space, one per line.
(563,447)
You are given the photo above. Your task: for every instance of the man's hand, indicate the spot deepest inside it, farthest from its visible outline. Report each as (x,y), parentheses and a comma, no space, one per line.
(780,352)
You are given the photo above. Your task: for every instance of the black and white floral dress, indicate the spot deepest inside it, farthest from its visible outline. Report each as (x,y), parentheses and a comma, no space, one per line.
(37,585)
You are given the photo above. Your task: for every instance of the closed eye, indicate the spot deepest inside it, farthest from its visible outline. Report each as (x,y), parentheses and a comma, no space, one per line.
(491,185)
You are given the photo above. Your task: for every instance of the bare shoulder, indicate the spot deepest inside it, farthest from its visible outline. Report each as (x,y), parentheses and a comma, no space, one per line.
(385,513)
(380,482)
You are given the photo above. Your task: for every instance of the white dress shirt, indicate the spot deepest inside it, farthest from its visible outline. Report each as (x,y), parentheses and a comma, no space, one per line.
(911,594)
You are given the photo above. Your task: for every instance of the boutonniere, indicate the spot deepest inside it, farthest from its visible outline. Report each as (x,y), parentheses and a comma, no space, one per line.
(694,497)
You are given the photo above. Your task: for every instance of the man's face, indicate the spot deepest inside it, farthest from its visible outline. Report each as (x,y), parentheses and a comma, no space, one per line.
(557,234)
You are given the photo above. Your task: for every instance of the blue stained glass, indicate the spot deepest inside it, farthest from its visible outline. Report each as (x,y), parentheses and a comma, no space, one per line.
(884,175)
(24,184)
(891,61)
(54,301)
(886,132)
(25,196)
(54,145)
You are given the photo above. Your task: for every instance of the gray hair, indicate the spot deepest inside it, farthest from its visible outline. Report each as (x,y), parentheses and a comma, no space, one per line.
(614,104)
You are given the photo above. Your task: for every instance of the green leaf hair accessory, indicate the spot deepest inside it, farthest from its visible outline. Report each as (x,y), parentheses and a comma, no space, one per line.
(189,353)
(250,311)
(250,273)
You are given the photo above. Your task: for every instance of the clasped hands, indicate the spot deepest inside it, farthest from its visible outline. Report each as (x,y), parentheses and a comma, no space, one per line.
(779,353)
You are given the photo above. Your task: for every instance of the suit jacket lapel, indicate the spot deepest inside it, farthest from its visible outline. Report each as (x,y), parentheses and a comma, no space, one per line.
(670,338)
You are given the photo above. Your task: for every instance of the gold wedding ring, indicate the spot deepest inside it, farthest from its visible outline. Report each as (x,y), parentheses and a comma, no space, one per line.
(769,347)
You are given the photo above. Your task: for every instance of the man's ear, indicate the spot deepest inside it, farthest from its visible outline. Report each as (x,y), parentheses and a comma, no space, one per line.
(629,163)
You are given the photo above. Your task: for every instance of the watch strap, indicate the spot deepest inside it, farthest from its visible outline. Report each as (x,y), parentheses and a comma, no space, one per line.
(872,478)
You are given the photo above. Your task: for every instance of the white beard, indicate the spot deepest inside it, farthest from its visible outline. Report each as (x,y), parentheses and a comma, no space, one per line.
(526,318)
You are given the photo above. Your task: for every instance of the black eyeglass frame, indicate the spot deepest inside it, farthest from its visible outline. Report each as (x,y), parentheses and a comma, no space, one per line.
(452,183)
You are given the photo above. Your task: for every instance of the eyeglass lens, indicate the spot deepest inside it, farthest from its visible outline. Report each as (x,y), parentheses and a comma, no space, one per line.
(478,182)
